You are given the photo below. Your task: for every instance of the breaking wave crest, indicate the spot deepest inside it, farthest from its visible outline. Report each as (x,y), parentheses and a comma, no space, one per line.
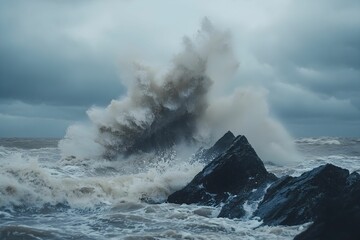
(185,106)
(27,181)
(320,141)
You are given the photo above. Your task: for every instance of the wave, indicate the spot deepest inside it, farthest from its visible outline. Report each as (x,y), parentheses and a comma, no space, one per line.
(27,181)
(351,163)
(189,105)
(25,232)
(320,140)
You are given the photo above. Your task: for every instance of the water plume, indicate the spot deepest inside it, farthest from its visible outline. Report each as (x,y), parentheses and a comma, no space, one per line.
(176,108)
(158,113)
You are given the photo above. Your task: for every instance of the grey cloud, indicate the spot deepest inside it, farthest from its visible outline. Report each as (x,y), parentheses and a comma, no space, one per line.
(316,34)
(314,49)
(21,109)
(297,103)
(59,57)
(15,126)
(322,126)
(37,78)
(40,62)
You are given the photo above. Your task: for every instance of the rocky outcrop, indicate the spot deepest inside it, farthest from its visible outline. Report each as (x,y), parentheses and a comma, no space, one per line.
(207,155)
(341,216)
(297,200)
(328,195)
(234,173)
(234,207)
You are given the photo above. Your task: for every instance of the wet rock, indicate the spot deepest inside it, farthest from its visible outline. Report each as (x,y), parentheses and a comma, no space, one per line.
(237,178)
(297,200)
(234,207)
(236,172)
(341,216)
(207,155)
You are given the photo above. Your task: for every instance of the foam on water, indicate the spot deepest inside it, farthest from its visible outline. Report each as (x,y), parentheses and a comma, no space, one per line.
(50,198)
(27,180)
(43,196)
(87,189)
(320,141)
(339,151)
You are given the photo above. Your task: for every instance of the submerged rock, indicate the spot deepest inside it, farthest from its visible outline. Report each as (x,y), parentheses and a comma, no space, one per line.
(297,200)
(234,173)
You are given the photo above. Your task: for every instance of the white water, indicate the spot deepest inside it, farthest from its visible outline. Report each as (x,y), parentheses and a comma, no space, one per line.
(73,192)
(48,197)
(36,177)
(99,201)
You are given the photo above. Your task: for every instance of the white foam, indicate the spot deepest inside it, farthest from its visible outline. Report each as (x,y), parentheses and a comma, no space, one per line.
(320,141)
(24,181)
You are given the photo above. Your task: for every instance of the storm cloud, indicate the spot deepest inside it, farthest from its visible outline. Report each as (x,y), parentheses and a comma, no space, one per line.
(58,58)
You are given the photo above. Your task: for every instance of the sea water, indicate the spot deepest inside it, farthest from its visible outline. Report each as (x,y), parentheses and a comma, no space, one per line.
(45,196)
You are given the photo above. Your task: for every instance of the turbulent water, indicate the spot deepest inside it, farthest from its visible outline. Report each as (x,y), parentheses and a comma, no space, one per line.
(44,196)
(83,187)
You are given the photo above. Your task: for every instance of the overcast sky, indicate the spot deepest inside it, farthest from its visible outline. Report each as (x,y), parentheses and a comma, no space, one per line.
(58,58)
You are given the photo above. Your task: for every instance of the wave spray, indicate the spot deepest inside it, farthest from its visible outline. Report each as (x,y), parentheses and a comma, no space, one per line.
(182,107)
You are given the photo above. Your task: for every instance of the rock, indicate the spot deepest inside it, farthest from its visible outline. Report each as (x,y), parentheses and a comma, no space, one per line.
(235,172)
(327,195)
(234,207)
(207,155)
(297,200)
(341,217)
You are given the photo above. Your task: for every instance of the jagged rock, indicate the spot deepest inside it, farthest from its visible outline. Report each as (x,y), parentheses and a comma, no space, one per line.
(341,216)
(207,155)
(234,207)
(297,200)
(235,172)
(327,195)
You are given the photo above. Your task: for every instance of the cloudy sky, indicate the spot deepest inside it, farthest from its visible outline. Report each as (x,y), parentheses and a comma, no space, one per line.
(58,58)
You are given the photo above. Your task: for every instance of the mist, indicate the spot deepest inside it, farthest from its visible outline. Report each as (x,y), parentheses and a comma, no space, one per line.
(185,105)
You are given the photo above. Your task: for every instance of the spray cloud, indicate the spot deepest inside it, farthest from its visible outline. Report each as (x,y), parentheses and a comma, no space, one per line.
(160,112)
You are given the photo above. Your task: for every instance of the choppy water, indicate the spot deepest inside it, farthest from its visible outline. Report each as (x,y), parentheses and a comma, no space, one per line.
(45,197)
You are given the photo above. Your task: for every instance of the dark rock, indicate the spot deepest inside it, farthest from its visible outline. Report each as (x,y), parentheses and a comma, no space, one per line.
(233,208)
(297,200)
(341,216)
(234,173)
(207,155)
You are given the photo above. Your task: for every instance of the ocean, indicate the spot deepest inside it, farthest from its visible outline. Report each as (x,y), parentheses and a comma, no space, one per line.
(46,196)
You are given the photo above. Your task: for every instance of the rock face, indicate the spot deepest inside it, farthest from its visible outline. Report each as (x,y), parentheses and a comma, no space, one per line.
(207,155)
(341,216)
(234,207)
(297,200)
(236,177)
(235,172)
